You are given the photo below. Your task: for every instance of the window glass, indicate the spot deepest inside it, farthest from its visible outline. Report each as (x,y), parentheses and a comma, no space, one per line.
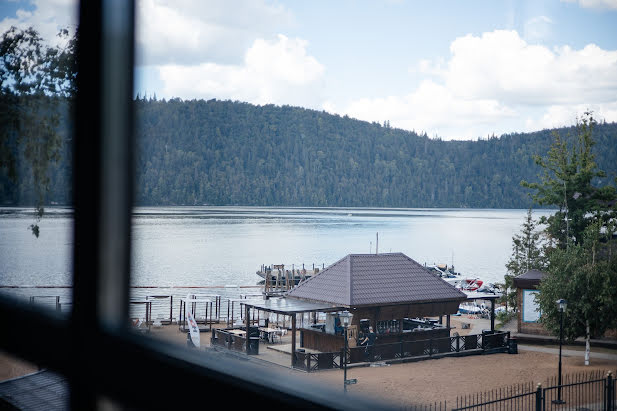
(37,74)
(275,139)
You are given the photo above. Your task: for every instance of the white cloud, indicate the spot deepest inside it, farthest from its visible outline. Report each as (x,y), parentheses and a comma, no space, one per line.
(595,4)
(278,72)
(188,32)
(47,17)
(566,115)
(496,83)
(434,109)
(503,66)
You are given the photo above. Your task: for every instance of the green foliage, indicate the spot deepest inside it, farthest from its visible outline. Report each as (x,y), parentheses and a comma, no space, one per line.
(572,181)
(504,317)
(582,267)
(528,252)
(587,281)
(231,153)
(35,79)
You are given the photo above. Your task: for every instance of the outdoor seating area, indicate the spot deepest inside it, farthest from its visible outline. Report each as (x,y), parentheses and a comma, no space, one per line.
(374,307)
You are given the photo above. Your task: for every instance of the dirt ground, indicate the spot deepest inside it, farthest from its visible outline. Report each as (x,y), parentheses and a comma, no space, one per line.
(425,382)
(422,382)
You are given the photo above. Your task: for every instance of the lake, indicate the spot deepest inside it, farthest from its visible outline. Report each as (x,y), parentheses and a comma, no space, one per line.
(218,246)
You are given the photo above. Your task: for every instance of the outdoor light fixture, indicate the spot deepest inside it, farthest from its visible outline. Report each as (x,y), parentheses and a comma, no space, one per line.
(561,304)
(345,317)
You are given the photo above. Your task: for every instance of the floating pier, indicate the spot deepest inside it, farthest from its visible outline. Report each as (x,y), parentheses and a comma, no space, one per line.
(277,279)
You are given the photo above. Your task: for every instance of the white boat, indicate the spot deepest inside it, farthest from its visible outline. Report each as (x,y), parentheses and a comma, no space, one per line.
(469,308)
(443,271)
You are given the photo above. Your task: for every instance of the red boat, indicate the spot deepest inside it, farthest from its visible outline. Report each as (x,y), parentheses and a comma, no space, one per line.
(467,284)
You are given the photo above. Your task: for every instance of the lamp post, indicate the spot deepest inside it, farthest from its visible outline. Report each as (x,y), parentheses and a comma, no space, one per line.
(561,304)
(345,317)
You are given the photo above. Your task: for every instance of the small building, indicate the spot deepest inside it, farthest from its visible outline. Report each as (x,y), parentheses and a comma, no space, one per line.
(383,291)
(528,321)
(390,293)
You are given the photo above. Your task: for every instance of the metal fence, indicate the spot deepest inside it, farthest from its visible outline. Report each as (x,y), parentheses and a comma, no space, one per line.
(482,343)
(476,343)
(318,361)
(584,391)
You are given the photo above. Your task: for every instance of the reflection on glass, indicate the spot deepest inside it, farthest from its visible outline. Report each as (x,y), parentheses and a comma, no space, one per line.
(37,74)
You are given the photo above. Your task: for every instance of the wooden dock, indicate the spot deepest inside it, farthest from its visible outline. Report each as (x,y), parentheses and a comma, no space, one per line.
(277,279)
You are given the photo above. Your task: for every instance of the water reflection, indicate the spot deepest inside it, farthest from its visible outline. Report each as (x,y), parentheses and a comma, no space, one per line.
(218,246)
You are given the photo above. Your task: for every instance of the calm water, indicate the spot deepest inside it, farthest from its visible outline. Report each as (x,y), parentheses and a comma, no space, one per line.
(218,246)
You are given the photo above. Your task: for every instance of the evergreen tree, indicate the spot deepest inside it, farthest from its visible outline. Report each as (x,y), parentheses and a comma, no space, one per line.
(527,254)
(568,182)
(580,269)
(586,280)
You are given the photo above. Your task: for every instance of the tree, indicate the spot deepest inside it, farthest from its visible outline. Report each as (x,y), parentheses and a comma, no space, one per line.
(586,281)
(527,254)
(568,183)
(579,269)
(33,76)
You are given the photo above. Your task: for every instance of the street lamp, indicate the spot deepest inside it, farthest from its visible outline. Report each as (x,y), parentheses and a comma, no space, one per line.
(561,304)
(345,317)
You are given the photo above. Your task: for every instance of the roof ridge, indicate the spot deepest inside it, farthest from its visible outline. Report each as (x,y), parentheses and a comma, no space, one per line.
(350,277)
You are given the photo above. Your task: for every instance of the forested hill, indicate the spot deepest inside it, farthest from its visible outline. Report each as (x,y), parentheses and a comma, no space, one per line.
(230,153)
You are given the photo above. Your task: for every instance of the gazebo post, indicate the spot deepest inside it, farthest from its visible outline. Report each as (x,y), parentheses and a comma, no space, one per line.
(247,320)
(492,314)
(293,340)
(448,321)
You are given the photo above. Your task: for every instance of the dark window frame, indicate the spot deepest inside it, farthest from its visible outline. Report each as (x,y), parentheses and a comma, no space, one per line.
(94,348)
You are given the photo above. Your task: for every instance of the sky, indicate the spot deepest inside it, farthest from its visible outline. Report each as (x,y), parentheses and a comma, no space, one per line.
(452,69)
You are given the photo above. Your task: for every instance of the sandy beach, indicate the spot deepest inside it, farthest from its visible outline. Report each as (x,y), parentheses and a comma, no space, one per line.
(422,382)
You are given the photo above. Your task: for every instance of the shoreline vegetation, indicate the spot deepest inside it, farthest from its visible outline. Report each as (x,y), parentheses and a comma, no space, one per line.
(229,153)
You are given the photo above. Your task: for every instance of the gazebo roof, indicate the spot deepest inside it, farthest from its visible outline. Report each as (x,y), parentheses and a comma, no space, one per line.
(376,279)
(530,279)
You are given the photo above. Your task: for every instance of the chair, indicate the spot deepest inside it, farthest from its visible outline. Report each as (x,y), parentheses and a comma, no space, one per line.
(276,334)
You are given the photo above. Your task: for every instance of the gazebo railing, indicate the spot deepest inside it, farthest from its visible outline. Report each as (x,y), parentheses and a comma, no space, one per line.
(479,343)
(318,361)
(497,341)
(234,342)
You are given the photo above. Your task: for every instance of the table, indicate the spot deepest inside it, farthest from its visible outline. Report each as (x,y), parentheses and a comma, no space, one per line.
(270,333)
(240,333)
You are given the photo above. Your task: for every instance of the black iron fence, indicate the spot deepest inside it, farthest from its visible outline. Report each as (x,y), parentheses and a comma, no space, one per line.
(584,391)
(318,361)
(230,339)
(476,343)
(481,343)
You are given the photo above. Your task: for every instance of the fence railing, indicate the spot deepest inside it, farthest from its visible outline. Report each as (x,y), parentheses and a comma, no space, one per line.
(481,343)
(588,391)
(318,361)
(494,342)
(235,342)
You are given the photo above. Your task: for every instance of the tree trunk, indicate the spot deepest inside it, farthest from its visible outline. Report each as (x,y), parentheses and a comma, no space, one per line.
(587,347)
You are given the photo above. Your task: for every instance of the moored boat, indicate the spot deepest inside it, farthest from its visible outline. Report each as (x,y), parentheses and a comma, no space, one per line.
(277,274)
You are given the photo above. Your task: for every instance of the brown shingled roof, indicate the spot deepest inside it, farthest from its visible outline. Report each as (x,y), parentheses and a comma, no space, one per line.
(530,279)
(376,279)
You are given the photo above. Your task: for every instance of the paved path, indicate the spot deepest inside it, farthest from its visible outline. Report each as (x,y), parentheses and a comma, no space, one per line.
(568,353)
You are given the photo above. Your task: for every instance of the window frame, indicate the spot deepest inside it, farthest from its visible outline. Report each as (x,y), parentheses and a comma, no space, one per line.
(103,361)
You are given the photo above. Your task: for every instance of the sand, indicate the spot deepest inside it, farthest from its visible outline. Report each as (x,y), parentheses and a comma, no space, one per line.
(422,382)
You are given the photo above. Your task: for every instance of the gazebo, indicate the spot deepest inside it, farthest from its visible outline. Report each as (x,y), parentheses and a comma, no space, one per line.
(529,312)
(384,291)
